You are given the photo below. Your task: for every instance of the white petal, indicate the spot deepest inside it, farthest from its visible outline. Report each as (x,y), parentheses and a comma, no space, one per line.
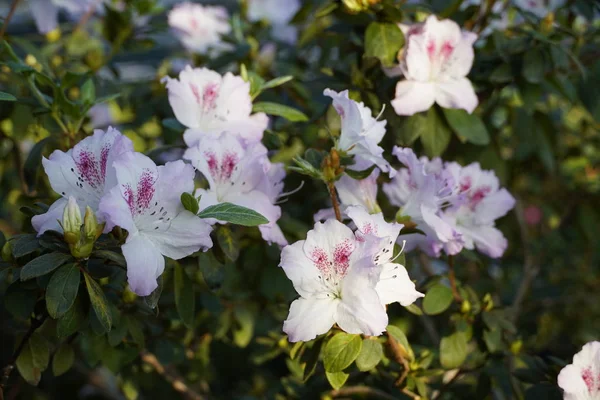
(116,212)
(413,97)
(185,235)
(273,234)
(458,93)
(45,15)
(309,318)
(494,206)
(395,286)
(49,220)
(144,264)
(325,237)
(361,310)
(353,192)
(417,63)
(488,239)
(300,270)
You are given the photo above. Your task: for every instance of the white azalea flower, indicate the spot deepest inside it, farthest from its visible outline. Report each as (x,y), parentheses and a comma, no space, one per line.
(481,201)
(200,28)
(84,172)
(146,202)
(208,103)
(435,63)
(278,13)
(335,276)
(361,133)
(581,380)
(45,12)
(242,176)
(394,283)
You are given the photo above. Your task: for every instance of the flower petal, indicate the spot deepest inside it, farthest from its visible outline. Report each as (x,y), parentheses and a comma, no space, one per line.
(395,286)
(458,93)
(309,318)
(49,220)
(185,235)
(300,270)
(413,97)
(45,15)
(144,264)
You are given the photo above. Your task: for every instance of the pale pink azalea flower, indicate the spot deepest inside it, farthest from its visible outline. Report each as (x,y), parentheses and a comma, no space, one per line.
(394,284)
(147,203)
(240,175)
(45,12)
(435,62)
(581,379)
(85,172)
(335,276)
(278,13)
(479,203)
(208,104)
(200,28)
(361,132)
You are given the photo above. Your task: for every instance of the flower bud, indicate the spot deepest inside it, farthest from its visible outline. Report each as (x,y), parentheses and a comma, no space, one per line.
(91,228)
(53,35)
(465,307)
(71,222)
(356,6)
(488,302)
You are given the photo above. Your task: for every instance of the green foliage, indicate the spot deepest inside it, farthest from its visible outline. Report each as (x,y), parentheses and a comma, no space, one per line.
(382,41)
(341,351)
(437,300)
(234,214)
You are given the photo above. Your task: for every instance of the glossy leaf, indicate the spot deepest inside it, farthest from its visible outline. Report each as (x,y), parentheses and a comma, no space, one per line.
(233,214)
(62,290)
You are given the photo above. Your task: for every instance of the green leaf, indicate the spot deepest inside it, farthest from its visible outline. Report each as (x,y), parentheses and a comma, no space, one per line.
(152,299)
(23,245)
(543,391)
(341,351)
(184,296)
(360,175)
(414,309)
(110,255)
(453,350)
(436,134)
(233,214)
(306,168)
(533,65)
(99,302)
(493,340)
(107,98)
(289,113)
(62,290)
(468,127)
(33,162)
(336,379)
(244,329)
(212,271)
(136,330)
(190,203)
(88,92)
(26,367)
(7,97)
(40,351)
(228,242)
(63,359)
(72,321)
(437,299)
(310,358)
(402,340)
(19,301)
(383,41)
(44,264)
(173,124)
(370,355)
(276,82)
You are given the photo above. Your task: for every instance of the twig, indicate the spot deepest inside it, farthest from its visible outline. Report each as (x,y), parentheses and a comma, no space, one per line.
(334,201)
(399,357)
(13,8)
(7,370)
(530,269)
(452,278)
(368,392)
(411,394)
(175,380)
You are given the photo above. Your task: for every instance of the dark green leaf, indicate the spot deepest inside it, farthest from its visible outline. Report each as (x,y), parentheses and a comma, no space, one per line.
(62,290)
(33,162)
(99,302)
(341,351)
(23,245)
(72,321)
(228,242)
(63,359)
(310,358)
(152,300)
(190,203)
(44,264)
(453,350)
(468,127)
(110,256)
(437,299)
(212,271)
(7,97)
(370,355)
(289,113)
(184,296)
(359,175)
(436,134)
(19,301)
(543,391)
(383,41)
(173,124)
(233,214)
(534,65)
(28,371)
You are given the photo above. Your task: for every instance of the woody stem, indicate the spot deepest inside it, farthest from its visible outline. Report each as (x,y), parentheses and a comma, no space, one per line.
(334,201)
(452,279)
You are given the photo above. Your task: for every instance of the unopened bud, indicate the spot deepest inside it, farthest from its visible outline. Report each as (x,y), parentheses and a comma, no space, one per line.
(72,221)
(53,35)
(488,302)
(357,6)
(91,228)
(465,307)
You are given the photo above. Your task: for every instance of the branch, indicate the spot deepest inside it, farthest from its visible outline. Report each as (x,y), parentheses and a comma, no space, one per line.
(452,278)
(13,8)
(173,378)
(399,357)
(366,391)
(334,201)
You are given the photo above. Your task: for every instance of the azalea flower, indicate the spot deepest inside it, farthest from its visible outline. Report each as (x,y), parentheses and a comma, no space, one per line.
(539,8)
(422,190)
(394,284)
(481,202)
(278,13)
(208,103)
(45,12)
(146,202)
(200,28)
(241,176)
(335,276)
(361,133)
(435,63)
(581,380)
(85,172)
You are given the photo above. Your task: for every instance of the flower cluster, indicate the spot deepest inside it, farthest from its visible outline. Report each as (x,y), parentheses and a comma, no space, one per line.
(126,189)
(581,380)
(454,206)
(224,144)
